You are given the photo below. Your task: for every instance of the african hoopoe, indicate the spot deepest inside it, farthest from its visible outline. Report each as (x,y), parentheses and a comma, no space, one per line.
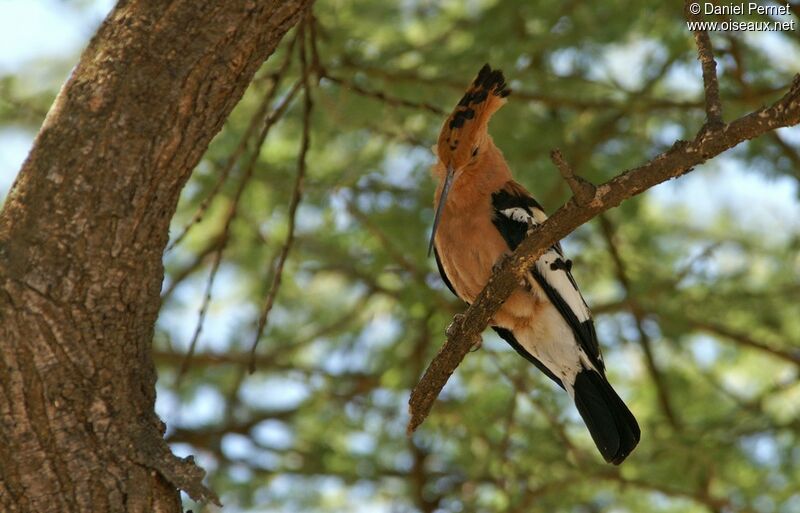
(481,215)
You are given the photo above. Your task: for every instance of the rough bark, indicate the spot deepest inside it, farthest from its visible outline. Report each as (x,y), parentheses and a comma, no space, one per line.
(81,240)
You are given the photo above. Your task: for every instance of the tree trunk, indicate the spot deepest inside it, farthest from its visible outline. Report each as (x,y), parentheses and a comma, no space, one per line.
(81,240)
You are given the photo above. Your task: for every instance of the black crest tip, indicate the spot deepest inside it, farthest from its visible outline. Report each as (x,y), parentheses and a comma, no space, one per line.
(482,74)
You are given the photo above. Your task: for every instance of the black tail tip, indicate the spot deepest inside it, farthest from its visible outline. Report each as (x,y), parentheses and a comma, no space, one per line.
(612,425)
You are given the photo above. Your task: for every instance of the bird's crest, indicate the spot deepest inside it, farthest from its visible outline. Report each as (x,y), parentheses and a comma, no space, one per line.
(470,118)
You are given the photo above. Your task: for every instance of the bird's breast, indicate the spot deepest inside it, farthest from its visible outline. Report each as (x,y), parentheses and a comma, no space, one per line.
(468,246)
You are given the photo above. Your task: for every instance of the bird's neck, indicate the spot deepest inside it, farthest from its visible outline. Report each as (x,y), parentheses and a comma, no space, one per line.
(479,180)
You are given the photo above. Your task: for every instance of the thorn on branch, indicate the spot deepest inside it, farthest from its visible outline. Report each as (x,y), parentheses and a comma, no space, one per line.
(582,190)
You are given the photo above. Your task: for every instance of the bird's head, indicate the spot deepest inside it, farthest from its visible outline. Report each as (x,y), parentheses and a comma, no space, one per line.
(464,138)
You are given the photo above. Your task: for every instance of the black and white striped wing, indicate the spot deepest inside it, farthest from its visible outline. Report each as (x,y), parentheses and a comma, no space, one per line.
(516,212)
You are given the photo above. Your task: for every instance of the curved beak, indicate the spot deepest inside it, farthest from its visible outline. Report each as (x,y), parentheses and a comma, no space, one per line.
(448,182)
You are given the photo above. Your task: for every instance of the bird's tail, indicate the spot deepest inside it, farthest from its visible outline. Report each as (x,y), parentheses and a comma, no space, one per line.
(611,424)
(469,120)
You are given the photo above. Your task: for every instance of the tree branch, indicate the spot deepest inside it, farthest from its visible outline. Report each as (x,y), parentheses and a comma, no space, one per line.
(678,160)
(381,96)
(608,229)
(583,190)
(82,236)
(224,237)
(297,195)
(255,121)
(745,340)
(706,56)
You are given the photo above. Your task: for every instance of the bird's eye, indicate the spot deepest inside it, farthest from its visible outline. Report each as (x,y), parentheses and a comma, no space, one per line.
(475,151)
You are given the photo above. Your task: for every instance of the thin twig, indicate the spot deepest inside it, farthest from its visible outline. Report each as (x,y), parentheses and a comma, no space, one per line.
(240,148)
(678,160)
(739,73)
(744,339)
(559,429)
(386,242)
(316,61)
(200,257)
(390,131)
(790,153)
(632,101)
(297,195)
(636,311)
(224,236)
(583,190)
(383,97)
(705,54)
(715,504)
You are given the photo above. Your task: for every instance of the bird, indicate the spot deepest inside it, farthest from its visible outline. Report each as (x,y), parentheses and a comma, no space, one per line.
(481,216)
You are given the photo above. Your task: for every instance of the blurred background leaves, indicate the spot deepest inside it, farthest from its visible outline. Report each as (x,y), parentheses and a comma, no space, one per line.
(694,284)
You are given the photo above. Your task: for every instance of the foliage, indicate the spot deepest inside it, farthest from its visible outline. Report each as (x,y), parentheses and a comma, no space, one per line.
(695,302)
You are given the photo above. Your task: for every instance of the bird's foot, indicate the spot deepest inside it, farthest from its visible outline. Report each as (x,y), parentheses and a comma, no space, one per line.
(458,319)
(500,261)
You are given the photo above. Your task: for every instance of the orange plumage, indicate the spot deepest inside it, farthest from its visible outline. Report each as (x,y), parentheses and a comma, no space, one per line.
(482,214)
(466,128)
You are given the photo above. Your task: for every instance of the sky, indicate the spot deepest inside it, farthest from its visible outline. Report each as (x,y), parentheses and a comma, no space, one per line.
(34,29)
(39,30)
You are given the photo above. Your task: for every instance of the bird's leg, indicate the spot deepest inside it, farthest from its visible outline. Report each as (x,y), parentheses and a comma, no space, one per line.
(451,329)
(500,261)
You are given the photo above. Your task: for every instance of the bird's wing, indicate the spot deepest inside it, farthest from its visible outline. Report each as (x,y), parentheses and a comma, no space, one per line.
(515,212)
(442,273)
(509,337)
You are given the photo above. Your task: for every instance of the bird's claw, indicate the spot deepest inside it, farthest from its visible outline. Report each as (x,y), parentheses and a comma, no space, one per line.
(500,262)
(458,319)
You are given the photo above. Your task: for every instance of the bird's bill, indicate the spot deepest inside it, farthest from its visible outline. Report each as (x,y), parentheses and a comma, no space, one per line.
(448,182)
